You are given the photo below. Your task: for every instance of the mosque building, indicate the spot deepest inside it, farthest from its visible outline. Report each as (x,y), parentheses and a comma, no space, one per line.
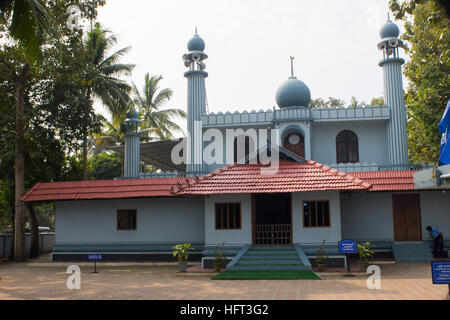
(340,174)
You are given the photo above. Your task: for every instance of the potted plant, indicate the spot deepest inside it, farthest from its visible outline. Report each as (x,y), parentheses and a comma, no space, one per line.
(219,257)
(321,258)
(181,252)
(365,252)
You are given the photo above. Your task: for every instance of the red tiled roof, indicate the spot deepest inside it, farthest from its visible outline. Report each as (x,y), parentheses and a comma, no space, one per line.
(387,180)
(102,189)
(233,179)
(290,177)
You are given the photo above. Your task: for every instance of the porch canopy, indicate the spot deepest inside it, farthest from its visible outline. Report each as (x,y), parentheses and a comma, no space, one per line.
(156,153)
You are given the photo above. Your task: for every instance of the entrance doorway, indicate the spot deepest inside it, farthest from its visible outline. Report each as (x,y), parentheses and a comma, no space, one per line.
(271,216)
(406,211)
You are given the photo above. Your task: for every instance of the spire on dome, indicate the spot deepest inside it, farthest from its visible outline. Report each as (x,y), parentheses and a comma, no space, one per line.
(293,92)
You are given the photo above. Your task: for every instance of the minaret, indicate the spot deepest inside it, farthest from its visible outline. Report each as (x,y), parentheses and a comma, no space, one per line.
(132,145)
(393,93)
(196,102)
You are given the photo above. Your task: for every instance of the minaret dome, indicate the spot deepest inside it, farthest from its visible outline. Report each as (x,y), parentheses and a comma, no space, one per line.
(389,30)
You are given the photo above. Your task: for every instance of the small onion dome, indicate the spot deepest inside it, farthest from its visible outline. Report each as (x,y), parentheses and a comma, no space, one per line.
(132,114)
(389,30)
(196,44)
(293,93)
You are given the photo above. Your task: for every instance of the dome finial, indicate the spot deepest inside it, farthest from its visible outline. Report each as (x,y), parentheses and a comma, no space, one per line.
(389,17)
(292,65)
(196,31)
(293,92)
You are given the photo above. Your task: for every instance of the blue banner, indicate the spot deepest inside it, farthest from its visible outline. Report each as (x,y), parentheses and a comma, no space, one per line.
(347,246)
(441,272)
(444,128)
(94,257)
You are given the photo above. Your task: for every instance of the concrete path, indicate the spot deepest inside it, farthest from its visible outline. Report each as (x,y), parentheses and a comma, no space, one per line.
(19,281)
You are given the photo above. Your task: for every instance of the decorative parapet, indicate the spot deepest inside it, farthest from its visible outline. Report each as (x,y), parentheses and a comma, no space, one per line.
(350,113)
(265,117)
(171,174)
(356,167)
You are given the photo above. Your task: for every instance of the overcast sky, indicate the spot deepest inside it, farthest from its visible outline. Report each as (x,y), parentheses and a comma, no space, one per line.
(249,43)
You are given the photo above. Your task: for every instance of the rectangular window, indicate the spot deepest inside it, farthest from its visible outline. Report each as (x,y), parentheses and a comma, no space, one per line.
(126,219)
(228,216)
(316,214)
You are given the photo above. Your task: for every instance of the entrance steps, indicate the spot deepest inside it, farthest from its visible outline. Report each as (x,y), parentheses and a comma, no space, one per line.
(271,258)
(412,252)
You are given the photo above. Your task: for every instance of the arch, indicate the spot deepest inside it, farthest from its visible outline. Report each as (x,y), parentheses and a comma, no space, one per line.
(293,139)
(347,148)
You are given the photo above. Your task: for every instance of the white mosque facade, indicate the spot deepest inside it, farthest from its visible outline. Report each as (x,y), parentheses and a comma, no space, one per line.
(343,174)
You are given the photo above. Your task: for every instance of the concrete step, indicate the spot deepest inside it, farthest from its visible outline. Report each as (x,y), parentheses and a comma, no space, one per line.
(295,267)
(268,262)
(262,253)
(412,252)
(271,257)
(271,248)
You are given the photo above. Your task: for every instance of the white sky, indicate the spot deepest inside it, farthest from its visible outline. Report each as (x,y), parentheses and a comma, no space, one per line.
(249,43)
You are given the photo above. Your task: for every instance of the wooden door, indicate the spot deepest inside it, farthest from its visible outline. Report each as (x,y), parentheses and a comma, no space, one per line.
(406,212)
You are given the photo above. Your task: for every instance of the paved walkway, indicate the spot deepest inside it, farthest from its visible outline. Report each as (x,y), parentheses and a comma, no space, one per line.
(19,281)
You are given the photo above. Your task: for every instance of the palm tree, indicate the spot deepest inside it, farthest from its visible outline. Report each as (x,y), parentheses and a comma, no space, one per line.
(113,131)
(27,22)
(101,74)
(156,121)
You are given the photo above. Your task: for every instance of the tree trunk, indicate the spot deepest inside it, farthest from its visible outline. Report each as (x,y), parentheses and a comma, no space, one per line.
(85,137)
(13,228)
(19,170)
(85,156)
(34,253)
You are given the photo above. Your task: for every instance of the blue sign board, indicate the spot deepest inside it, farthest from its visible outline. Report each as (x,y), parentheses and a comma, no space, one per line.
(95,257)
(440,271)
(347,246)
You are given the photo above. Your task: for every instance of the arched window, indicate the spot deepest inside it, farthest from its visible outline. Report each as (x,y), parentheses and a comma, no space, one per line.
(295,142)
(347,150)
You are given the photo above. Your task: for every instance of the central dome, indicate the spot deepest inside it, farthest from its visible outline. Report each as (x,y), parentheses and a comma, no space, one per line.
(293,93)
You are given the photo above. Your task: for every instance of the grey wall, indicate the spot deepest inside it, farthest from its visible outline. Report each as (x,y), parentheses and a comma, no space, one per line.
(368,216)
(241,236)
(435,209)
(331,234)
(46,242)
(158,220)
(371,139)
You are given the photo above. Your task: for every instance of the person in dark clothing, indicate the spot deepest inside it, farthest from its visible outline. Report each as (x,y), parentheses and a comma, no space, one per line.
(438,241)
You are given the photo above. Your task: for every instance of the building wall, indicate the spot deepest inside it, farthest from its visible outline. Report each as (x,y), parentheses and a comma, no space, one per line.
(435,209)
(228,144)
(305,236)
(371,139)
(158,220)
(369,216)
(239,237)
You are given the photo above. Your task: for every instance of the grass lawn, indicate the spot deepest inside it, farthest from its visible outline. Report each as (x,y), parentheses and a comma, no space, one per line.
(267,275)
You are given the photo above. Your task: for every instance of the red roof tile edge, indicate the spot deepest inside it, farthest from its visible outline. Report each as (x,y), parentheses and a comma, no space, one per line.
(184,189)
(174,187)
